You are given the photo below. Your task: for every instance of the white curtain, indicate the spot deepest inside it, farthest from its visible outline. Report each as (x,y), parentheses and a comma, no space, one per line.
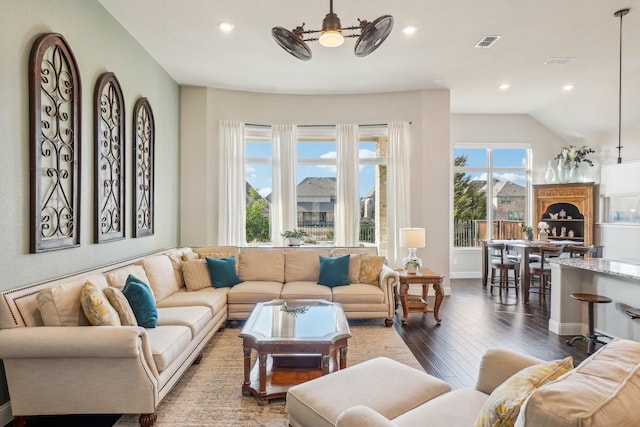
(399,188)
(283,192)
(348,204)
(232,188)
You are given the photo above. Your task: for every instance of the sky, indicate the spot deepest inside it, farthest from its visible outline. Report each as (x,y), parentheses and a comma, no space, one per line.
(322,154)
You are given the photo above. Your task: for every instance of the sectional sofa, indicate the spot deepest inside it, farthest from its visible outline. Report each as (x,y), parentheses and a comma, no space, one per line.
(56,363)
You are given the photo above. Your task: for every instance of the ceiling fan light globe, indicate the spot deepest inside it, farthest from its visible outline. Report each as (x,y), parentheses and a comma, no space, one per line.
(331,38)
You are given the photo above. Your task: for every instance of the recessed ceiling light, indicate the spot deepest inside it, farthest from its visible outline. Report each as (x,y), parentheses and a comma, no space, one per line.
(567,88)
(225,26)
(409,30)
(487,41)
(505,86)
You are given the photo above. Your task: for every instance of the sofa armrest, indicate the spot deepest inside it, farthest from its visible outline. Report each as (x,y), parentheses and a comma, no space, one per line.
(389,278)
(70,341)
(498,365)
(362,416)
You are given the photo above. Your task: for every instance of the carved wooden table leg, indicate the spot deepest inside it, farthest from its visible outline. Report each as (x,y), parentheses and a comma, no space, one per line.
(324,364)
(262,388)
(437,288)
(404,290)
(247,371)
(343,357)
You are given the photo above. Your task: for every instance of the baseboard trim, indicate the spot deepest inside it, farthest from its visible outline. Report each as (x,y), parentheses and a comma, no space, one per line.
(565,328)
(466,275)
(5,414)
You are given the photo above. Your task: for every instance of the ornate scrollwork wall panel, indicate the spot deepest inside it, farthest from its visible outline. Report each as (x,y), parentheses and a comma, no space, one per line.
(144,141)
(54,114)
(109,159)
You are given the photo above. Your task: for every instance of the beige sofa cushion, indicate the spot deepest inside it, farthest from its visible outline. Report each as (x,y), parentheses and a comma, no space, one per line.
(117,278)
(162,278)
(261,264)
(303,264)
(456,408)
(175,256)
(602,391)
(196,275)
(60,304)
(167,343)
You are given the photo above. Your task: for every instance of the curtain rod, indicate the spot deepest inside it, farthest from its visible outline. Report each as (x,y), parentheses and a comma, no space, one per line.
(320,126)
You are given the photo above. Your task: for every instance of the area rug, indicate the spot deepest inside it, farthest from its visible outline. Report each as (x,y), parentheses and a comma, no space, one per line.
(210,394)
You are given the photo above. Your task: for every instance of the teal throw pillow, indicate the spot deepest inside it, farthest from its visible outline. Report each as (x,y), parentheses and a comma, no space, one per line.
(141,301)
(223,272)
(334,271)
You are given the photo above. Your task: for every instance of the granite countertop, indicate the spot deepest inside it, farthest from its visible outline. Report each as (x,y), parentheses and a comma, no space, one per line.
(601,265)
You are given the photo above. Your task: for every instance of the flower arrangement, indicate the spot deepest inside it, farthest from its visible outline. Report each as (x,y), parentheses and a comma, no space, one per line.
(574,154)
(528,231)
(543,226)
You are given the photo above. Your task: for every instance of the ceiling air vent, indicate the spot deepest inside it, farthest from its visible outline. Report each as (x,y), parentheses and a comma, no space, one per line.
(559,60)
(487,41)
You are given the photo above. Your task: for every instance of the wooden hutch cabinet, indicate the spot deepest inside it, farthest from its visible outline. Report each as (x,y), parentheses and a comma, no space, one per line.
(568,209)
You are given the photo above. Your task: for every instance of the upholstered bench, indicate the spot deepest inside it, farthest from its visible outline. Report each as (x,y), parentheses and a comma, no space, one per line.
(387,386)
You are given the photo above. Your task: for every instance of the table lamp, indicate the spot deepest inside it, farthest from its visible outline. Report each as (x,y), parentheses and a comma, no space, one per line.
(412,238)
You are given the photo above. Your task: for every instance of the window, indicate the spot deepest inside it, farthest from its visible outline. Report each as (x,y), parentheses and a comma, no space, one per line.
(258,158)
(316,190)
(491,185)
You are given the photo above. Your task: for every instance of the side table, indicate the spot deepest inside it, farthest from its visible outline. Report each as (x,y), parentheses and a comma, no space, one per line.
(415,303)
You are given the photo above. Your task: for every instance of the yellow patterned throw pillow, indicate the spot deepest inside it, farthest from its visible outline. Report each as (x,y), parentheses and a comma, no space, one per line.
(96,306)
(196,275)
(503,405)
(370,268)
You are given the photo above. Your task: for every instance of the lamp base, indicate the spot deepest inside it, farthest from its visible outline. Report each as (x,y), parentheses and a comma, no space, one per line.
(411,263)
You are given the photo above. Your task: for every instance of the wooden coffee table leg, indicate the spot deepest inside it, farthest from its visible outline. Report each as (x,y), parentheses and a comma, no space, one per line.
(262,388)
(343,358)
(324,364)
(247,371)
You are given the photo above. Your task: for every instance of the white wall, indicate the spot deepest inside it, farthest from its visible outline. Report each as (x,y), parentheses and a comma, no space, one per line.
(507,129)
(430,162)
(99,44)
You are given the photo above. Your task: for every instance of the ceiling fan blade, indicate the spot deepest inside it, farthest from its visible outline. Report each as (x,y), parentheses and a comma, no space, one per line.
(291,43)
(373,35)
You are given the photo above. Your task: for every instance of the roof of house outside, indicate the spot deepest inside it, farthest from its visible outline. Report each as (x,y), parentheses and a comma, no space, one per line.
(317,187)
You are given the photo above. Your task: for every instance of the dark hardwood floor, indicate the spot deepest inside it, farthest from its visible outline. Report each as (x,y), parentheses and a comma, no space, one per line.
(473,321)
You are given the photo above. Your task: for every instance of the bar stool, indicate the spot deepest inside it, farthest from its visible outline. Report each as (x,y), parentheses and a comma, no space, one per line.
(499,261)
(592,337)
(634,313)
(542,269)
(578,251)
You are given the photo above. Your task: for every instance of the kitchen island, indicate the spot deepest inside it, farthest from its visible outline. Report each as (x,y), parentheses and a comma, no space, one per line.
(618,280)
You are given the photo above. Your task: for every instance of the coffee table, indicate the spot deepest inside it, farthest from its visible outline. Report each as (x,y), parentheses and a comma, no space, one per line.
(295,341)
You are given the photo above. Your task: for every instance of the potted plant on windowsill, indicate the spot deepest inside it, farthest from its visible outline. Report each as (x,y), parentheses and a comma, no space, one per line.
(294,237)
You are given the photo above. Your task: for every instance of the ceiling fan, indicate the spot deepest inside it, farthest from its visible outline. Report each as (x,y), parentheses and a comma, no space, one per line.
(370,35)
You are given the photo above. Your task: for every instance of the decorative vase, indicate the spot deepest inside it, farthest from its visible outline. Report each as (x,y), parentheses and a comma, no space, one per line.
(572,175)
(528,235)
(550,175)
(561,171)
(543,236)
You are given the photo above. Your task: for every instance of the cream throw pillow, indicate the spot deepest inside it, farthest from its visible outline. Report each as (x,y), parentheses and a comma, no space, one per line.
(96,306)
(120,303)
(196,275)
(162,278)
(503,405)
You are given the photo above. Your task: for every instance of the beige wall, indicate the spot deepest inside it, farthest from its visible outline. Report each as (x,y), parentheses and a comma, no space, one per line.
(427,110)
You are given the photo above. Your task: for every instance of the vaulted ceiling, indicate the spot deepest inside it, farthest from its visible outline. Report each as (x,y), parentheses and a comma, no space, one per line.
(183,36)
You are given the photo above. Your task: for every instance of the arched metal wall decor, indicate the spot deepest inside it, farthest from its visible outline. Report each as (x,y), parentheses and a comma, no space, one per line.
(143,145)
(109,163)
(54,117)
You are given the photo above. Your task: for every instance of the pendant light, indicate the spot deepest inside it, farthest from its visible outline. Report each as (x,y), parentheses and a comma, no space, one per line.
(620,14)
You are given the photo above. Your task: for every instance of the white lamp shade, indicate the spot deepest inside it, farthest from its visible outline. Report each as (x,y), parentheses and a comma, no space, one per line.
(331,38)
(412,238)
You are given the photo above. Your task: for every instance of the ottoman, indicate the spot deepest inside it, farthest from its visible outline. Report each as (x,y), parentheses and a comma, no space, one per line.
(387,386)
